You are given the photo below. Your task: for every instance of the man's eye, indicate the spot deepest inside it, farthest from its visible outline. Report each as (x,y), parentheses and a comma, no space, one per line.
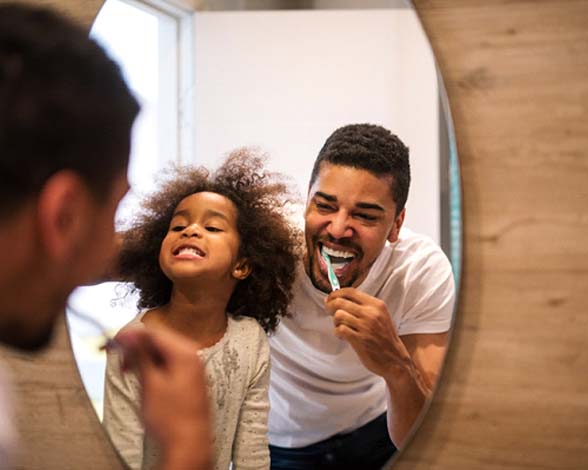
(367,217)
(213,229)
(324,207)
(177,228)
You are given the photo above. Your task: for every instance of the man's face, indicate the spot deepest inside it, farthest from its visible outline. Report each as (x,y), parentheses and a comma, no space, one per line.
(97,248)
(350,212)
(29,325)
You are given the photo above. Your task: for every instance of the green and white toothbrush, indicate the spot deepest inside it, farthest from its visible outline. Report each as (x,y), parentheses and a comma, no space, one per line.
(331,272)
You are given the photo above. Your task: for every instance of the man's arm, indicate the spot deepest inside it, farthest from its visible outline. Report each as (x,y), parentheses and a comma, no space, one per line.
(411,387)
(410,365)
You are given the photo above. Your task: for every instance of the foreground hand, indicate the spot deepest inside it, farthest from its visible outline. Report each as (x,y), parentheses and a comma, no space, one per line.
(175,407)
(365,323)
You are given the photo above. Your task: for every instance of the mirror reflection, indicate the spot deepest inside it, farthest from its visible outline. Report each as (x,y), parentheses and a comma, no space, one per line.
(350,375)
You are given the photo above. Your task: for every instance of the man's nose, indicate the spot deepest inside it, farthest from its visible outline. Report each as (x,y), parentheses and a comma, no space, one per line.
(339,226)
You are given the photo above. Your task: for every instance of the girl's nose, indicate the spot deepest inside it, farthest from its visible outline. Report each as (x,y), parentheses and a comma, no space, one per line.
(192,230)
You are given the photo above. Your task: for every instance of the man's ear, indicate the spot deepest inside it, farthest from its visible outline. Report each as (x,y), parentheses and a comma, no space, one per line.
(242,269)
(63,209)
(393,235)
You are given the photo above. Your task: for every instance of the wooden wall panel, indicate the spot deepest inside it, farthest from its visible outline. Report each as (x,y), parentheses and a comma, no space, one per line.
(514,394)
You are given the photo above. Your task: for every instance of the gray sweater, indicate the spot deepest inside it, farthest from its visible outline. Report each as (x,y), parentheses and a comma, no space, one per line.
(237,372)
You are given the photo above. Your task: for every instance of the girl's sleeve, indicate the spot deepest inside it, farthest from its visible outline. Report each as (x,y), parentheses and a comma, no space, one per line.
(122,411)
(250,448)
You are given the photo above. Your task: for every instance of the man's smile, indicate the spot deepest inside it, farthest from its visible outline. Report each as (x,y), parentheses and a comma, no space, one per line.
(341,257)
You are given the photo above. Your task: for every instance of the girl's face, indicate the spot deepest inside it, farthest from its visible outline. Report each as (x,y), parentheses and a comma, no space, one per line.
(202,241)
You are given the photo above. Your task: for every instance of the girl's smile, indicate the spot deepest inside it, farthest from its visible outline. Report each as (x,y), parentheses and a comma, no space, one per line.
(188,252)
(202,240)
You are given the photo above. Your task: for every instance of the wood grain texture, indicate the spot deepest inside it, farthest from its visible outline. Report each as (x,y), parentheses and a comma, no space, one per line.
(514,394)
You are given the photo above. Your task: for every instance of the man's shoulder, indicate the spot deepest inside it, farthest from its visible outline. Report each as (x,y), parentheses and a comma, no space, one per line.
(414,247)
(408,237)
(413,256)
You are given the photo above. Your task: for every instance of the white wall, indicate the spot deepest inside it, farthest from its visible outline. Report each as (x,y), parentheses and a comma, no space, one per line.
(284,80)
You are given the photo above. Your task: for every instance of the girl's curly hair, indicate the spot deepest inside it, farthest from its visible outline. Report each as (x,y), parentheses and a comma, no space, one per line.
(271,244)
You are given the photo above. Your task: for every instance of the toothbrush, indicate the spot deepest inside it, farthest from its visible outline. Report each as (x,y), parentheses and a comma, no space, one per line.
(331,272)
(109,341)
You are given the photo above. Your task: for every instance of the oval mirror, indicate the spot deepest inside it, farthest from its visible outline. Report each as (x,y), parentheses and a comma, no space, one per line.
(281,75)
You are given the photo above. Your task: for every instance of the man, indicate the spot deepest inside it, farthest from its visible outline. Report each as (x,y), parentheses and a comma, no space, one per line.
(353,368)
(65,121)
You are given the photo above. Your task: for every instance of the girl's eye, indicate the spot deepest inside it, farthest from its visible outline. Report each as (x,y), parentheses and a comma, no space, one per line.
(177,228)
(213,229)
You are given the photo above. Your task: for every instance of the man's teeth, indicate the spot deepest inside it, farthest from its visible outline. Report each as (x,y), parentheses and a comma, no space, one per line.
(340,264)
(337,253)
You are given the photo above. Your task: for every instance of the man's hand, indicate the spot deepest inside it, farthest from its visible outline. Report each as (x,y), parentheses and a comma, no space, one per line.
(175,406)
(365,323)
(410,365)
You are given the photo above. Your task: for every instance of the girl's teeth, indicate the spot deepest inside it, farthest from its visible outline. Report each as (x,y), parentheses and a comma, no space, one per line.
(189,250)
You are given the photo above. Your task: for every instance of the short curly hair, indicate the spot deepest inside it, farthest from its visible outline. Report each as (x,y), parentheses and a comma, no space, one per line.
(369,147)
(269,241)
(64,105)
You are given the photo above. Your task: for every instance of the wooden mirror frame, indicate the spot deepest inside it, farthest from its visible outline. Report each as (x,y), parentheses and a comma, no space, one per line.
(514,390)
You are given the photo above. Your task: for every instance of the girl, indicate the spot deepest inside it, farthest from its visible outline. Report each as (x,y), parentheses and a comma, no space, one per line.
(213,258)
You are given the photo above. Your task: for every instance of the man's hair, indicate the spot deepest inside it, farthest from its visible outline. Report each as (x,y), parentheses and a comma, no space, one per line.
(372,148)
(269,242)
(63,105)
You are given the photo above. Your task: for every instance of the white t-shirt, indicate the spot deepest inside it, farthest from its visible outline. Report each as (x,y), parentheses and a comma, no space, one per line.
(318,386)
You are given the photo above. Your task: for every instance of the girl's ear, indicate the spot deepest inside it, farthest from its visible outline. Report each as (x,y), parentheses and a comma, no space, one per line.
(242,269)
